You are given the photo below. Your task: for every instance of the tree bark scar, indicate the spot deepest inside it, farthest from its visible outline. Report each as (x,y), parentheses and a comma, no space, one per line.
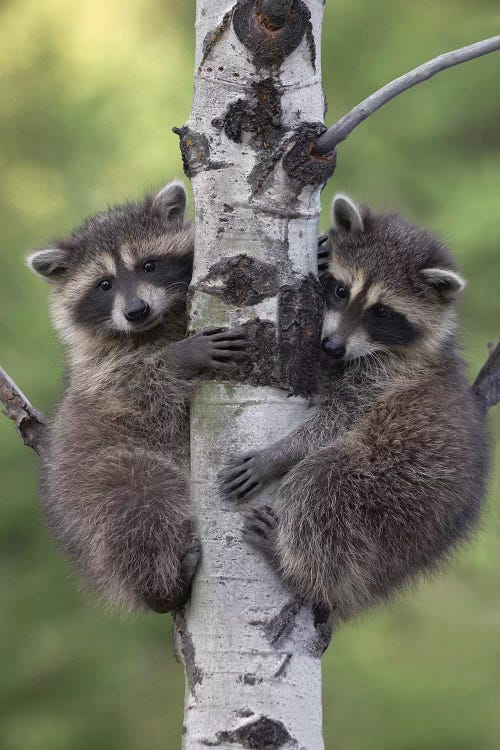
(259,116)
(195,152)
(241,280)
(261,366)
(283,668)
(280,627)
(259,734)
(285,355)
(299,162)
(213,37)
(300,315)
(270,45)
(194,674)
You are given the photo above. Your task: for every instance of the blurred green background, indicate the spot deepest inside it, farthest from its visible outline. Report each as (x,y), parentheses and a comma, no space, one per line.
(88,95)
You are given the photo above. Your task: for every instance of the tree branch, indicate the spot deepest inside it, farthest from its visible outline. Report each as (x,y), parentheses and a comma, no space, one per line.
(339,132)
(277,11)
(30,423)
(487,384)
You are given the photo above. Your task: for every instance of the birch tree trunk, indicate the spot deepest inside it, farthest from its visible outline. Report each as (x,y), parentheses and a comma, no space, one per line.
(251,650)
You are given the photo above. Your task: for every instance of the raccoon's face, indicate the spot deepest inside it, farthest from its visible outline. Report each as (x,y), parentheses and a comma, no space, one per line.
(124,271)
(389,287)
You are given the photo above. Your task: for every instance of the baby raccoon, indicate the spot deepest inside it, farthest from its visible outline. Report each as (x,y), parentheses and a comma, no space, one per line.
(117,473)
(388,473)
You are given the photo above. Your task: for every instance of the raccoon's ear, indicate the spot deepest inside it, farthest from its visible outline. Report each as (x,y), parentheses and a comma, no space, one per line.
(171,202)
(346,216)
(51,263)
(447,284)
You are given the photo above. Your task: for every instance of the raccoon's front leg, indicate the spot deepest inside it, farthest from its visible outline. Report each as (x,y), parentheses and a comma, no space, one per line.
(211,348)
(249,473)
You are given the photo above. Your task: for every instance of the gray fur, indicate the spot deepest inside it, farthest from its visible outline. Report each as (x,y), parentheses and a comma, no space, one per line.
(116,493)
(388,474)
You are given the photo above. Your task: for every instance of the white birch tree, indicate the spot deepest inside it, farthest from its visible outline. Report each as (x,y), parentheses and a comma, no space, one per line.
(257,154)
(251,649)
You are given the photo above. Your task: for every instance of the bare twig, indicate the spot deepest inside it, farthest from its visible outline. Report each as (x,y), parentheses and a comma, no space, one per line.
(339,132)
(487,384)
(277,11)
(30,423)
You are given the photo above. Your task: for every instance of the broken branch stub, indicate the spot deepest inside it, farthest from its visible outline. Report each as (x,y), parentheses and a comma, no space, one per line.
(30,423)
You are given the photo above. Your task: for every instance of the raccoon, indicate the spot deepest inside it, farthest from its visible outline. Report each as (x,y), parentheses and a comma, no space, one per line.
(388,472)
(116,476)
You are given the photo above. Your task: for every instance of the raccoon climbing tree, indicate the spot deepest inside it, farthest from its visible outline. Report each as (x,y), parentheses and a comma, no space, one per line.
(257,153)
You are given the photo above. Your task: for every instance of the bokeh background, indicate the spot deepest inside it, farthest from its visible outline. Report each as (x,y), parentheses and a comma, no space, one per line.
(88,95)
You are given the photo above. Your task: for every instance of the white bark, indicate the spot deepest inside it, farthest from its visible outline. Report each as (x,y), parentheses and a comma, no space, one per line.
(251,652)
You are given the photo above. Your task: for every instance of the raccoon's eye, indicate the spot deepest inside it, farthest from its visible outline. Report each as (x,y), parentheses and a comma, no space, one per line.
(105,285)
(379,311)
(149,266)
(341,291)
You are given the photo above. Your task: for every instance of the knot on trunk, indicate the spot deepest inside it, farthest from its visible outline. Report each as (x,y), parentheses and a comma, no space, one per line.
(271,37)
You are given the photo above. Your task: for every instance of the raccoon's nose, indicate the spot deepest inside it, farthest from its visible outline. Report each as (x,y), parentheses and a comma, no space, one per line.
(136,310)
(334,346)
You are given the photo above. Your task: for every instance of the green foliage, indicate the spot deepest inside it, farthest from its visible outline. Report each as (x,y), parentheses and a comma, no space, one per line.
(88,94)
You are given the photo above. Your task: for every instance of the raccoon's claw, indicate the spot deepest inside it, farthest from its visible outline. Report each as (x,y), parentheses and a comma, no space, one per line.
(215,348)
(226,347)
(190,561)
(244,477)
(323,254)
(260,529)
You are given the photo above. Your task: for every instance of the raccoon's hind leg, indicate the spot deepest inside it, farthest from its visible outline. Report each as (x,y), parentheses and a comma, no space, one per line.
(124,516)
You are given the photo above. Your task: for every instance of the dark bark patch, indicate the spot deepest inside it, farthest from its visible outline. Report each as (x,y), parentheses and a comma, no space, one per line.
(299,162)
(283,668)
(241,280)
(244,713)
(286,356)
(260,115)
(213,37)
(194,674)
(264,167)
(195,152)
(270,45)
(300,315)
(275,11)
(248,678)
(260,367)
(323,627)
(311,45)
(262,734)
(280,627)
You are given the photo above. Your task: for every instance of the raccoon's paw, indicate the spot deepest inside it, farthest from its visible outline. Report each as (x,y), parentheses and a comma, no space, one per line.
(190,561)
(216,348)
(260,529)
(246,475)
